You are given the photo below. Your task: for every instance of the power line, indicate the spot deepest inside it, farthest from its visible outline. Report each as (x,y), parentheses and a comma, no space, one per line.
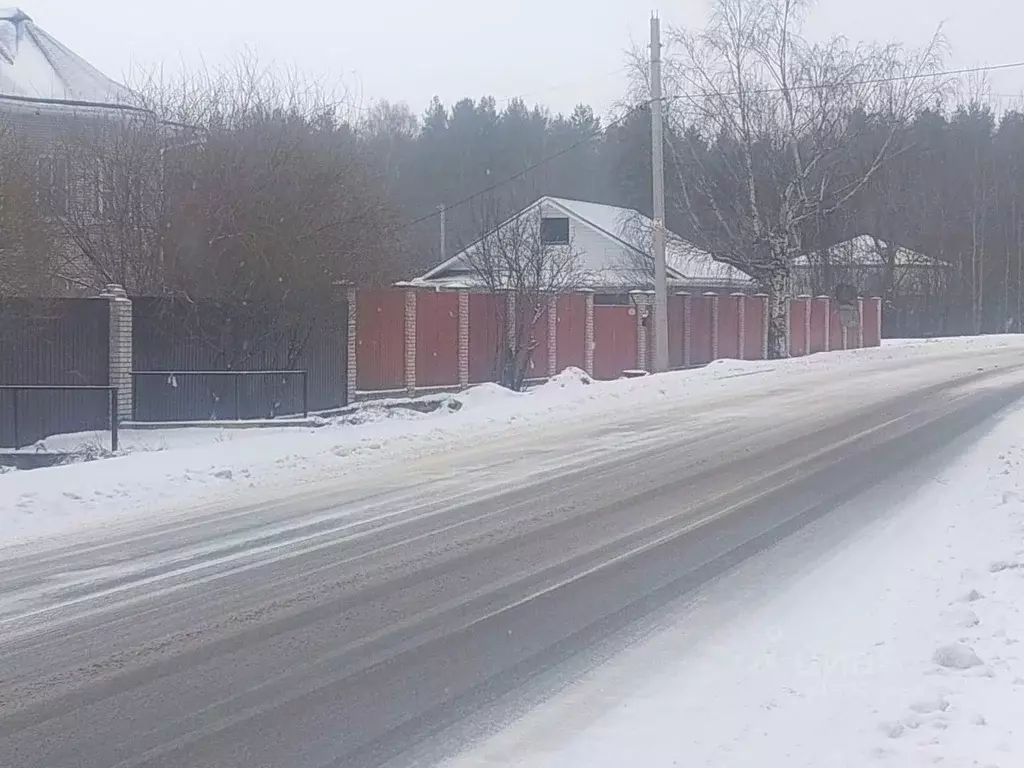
(871,81)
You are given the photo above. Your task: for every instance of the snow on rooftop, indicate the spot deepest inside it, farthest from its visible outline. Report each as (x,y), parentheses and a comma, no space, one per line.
(35,65)
(867,251)
(688,265)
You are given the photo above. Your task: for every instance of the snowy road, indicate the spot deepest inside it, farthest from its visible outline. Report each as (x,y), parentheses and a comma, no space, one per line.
(393,616)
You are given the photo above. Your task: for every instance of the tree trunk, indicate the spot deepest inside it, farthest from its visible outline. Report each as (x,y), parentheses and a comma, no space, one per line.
(778,303)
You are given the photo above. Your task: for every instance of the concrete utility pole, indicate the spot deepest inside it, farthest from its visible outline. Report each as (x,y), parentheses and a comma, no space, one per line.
(444,231)
(658,167)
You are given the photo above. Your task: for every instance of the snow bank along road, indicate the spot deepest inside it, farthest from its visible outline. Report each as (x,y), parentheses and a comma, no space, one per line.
(362,624)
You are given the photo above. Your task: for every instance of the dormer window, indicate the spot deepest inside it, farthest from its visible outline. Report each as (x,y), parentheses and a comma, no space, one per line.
(554,231)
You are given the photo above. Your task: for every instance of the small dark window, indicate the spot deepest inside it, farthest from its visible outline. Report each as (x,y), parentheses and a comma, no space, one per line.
(554,231)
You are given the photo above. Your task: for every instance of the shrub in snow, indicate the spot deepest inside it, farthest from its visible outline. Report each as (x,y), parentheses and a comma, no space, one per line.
(957,657)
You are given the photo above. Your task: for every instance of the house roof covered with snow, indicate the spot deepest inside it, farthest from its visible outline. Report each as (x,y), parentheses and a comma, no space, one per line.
(867,251)
(614,250)
(36,67)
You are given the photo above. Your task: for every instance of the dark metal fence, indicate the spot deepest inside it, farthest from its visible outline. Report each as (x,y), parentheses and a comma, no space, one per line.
(181,395)
(22,426)
(61,346)
(187,356)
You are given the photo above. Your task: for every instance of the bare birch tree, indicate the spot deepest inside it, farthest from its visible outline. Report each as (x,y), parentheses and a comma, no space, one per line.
(520,258)
(767,132)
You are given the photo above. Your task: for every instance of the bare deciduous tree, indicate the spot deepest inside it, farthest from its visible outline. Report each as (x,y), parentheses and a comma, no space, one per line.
(28,261)
(520,259)
(767,132)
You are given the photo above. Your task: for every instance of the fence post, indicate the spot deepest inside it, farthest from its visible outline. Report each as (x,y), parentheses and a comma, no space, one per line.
(588,334)
(741,322)
(827,300)
(715,318)
(687,334)
(305,394)
(119,350)
(114,437)
(764,324)
(410,340)
(808,301)
(351,372)
(860,322)
(552,334)
(463,295)
(14,407)
(640,300)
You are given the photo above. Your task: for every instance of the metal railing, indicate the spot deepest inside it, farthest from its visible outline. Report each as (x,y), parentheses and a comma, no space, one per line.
(236,376)
(16,389)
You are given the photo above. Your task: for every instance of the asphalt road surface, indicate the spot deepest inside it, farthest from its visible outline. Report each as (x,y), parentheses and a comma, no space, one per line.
(350,626)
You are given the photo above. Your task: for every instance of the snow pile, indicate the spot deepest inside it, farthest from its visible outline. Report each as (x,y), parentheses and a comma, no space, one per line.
(174,471)
(905,648)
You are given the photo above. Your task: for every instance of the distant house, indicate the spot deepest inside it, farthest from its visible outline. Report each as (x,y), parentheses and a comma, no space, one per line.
(872,265)
(43,83)
(614,253)
(76,123)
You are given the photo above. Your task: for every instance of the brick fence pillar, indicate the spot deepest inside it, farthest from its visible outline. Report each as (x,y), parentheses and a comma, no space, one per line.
(860,321)
(119,347)
(878,316)
(687,331)
(764,324)
(588,335)
(741,322)
(552,335)
(827,301)
(808,301)
(351,371)
(410,340)
(641,302)
(463,338)
(715,319)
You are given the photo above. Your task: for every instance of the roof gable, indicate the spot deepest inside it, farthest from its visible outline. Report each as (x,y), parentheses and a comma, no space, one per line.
(622,231)
(36,66)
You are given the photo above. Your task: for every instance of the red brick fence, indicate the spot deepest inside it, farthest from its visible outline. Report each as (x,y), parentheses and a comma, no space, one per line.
(408,340)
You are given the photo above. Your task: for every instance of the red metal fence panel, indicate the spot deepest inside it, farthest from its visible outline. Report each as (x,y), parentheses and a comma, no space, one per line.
(486,332)
(571,334)
(380,340)
(615,342)
(753,328)
(538,336)
(797,327)
(700,334)
(676,331)
(729,326)
(835,327)
(437,339)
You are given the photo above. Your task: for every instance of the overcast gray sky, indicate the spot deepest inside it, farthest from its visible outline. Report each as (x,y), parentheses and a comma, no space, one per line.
(559,52)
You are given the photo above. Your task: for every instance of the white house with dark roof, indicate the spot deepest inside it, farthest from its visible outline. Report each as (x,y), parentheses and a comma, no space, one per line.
(615,257)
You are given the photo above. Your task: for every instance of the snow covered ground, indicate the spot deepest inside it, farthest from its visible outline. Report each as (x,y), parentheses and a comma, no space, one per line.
(163,471)
(904,648)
